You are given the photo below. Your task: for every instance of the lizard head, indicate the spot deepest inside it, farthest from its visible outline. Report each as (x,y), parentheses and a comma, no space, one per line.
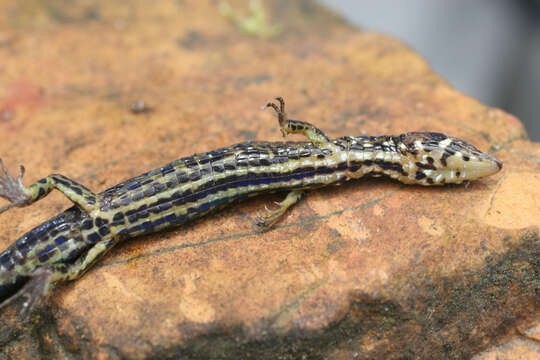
(436,159)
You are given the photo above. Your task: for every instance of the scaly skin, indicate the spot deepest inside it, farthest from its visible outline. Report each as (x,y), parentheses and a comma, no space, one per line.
(67,245)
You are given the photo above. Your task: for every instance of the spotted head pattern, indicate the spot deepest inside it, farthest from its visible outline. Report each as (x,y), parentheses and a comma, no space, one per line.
(437,159)
(423,158)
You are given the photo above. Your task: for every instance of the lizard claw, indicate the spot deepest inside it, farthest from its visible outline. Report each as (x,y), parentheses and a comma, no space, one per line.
(13,189)
(259,220)
(262,223)
(265,223)
(280,112)
(270,211)
(272,105)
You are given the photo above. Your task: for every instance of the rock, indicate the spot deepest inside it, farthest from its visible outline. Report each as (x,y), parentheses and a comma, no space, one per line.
(524,345)
(371,269)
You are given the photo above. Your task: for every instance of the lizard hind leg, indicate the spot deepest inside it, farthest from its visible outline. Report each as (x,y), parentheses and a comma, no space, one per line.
(19,195)
(34,289)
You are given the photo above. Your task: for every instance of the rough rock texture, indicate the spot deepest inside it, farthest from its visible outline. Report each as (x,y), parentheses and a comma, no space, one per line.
(524,346)
(369,269)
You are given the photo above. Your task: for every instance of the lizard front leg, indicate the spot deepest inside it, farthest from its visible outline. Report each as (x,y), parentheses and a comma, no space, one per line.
(265,223)
(288,126)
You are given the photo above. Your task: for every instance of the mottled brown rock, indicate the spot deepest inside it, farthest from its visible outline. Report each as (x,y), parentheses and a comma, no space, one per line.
(524,345)
(369,269)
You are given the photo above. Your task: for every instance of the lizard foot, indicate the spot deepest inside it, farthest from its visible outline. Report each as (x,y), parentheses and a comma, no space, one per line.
(13,189)
(33,290)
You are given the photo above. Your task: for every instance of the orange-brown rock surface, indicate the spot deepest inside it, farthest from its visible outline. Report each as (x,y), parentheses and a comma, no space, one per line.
(371,269)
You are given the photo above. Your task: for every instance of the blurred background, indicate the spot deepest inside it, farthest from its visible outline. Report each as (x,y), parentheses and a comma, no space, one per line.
(488,49)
